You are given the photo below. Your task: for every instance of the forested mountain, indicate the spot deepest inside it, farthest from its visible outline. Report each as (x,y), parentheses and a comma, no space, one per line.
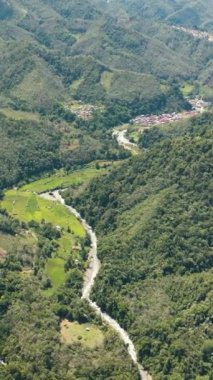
(153,219)
(70,72)
(192,14)
(30,148)
(53,51)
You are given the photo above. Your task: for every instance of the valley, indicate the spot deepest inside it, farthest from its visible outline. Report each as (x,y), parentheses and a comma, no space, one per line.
(14,203)
(25,201)
(111,234)
(89,279)
(139,124)
(105,190)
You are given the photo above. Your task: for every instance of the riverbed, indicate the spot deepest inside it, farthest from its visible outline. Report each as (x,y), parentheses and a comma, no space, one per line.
(89,280)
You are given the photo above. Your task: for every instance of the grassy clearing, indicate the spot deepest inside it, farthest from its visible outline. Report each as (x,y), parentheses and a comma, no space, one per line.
(55,272)
(27,206)
(19,115)
(66,243)
(88,335)
(187,89)
(75,84)
(63,180)
(134,132)
(135,135)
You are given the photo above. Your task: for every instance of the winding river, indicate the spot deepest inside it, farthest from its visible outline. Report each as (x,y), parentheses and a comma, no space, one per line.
(89,279)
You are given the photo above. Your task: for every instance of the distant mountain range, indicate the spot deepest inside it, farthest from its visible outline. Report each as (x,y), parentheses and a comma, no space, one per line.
(94,51)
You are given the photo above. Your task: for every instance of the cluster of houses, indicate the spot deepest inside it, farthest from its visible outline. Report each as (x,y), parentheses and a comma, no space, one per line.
(83,111)
(196,33)
(198,105)
(161,119)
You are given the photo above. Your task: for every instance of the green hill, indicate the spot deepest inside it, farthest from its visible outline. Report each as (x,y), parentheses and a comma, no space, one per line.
(190,14)
(71,71)
(153,221)
(31,146)
(47,46)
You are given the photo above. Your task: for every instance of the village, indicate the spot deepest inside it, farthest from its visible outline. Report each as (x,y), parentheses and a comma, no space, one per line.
(81,110)
(198,106)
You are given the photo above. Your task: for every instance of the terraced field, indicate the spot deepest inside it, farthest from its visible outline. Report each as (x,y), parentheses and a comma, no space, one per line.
(26,205)
(62,180)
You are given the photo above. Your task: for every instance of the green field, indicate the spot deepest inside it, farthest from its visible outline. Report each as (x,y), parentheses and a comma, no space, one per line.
(187,89)
(106,79)
(66,243)
(63,180)
(55,272)
(87,334)
(74,86)
(26,206)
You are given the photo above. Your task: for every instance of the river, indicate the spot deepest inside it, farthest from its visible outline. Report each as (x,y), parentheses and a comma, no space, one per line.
(122,140)
(89,279)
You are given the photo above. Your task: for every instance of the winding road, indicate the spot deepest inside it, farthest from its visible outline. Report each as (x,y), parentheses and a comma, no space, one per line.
(89,279)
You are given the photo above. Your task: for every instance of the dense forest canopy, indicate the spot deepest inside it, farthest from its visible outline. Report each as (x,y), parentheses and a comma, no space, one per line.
(153,218)
(192,14)
(52,51)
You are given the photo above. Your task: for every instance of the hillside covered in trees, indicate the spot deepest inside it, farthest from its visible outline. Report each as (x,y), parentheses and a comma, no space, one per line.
(70,72)
(153,220)
(53,51)
(30,338)
(31,147)
(56,56)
